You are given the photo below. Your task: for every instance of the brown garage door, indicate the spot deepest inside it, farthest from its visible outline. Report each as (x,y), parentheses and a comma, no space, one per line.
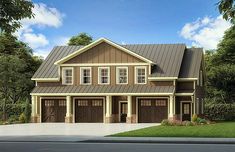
(89,110)
(152,110)
(53,110)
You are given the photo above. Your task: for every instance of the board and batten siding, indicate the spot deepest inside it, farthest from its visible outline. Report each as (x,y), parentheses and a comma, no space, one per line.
(104,53)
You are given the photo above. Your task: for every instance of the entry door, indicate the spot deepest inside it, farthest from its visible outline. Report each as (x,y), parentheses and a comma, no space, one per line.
(123,111)
(186,111)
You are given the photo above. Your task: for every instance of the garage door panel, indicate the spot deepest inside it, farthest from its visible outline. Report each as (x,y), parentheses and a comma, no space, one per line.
(89,110)
(152,110)
(53,110)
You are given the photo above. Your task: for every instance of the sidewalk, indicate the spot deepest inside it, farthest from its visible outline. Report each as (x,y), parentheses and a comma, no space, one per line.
(92,139)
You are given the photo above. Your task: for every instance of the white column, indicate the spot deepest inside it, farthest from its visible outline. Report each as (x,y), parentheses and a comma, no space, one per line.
(108,106)
(171,106)
(68,106)
(194,104)
(129,106)
(33,99)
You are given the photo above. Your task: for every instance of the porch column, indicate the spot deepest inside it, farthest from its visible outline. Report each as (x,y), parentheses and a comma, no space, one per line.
(129,109)
(33,113)
(194,105)
(171,107)
(108,114)
(68,118)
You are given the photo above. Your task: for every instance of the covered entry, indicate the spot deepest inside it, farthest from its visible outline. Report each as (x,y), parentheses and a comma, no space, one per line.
(53,110)
(152,110)
(89,110)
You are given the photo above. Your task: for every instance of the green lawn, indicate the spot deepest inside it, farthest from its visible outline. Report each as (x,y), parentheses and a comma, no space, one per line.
(221,129)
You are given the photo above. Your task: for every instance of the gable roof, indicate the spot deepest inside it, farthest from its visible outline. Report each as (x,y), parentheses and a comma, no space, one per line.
(95,43)
(168,59)
(191,63)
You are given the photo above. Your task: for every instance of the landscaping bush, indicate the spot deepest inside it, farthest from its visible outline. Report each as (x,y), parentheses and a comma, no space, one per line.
(165,122)
(218,111)
(27,111)
(194,118)
(22,118)
(13,119)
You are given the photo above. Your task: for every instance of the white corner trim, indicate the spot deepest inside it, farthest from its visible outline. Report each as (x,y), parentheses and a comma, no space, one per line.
(118,74)
(85,48)
(63,75)
(135,74)
(81,75)
(99,75)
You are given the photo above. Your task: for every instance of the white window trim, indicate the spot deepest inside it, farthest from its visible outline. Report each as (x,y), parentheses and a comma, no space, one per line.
(63,75)
(118,75)
(99,76)
(140,67)
(81,75)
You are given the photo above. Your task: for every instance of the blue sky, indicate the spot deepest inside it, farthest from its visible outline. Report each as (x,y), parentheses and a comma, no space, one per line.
(124,21)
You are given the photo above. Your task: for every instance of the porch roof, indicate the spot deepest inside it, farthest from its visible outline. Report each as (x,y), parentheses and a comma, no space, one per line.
(104,90)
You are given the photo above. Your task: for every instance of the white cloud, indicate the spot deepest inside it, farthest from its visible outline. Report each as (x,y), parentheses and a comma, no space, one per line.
(206,32)
(44,16)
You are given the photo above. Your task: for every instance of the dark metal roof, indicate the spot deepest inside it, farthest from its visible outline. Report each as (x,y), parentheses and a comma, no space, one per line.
(168,58)
(191,63)
(105,89)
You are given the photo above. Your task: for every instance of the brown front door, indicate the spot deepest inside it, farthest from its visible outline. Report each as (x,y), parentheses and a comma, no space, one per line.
(186,111)
(152,110)
(89,110)
(53,110)
(123,111)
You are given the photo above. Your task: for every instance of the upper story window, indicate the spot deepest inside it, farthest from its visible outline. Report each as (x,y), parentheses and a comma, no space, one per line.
(122,75)
(103,75)
(140,75)
(85,75)
(67,76)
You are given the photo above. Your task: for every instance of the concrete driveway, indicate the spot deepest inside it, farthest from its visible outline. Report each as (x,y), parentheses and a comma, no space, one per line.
(76,129)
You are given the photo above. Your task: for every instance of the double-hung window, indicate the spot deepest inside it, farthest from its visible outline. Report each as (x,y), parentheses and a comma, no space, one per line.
(140,75)
(104,75)
(67,76)
(122,75)
(85,75)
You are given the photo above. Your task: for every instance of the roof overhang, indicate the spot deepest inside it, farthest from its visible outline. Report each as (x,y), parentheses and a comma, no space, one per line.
(162,78)
(187,79)
(89,46)
(45,79)
(98,94)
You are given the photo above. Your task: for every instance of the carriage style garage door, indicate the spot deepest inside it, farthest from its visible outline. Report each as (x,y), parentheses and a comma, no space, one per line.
(53,110)
(89,110)
(152,110)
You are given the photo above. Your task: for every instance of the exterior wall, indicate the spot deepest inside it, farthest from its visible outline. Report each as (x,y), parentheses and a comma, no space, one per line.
(161,83)
(178,100)
(104,53)
(184,85)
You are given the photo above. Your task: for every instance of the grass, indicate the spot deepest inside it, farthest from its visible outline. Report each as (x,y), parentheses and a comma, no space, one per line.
(220,130)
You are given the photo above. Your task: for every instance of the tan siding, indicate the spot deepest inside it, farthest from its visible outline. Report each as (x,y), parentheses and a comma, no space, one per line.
(104,53)
(161,83)
(184,85)
(131,75)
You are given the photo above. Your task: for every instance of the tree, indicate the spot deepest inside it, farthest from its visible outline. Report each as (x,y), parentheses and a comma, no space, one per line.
(16,69)
(12,11)
(80,39)
(227,9)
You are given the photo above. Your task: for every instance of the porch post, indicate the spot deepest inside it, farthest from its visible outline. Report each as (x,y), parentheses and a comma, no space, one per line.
(129,109)
(68,118)
(33,113)
(171,110)
(108,114)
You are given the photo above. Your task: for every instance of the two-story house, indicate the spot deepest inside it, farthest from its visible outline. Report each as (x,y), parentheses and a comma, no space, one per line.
(108,82)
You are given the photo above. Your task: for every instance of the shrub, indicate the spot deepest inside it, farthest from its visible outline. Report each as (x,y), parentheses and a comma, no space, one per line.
(203,121)
(13,119)
(188,123)
(194,118)
(165,122)
(27,111)
(218,111)
(22,118)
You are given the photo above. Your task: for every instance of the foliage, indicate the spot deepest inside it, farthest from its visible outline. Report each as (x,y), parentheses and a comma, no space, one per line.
(22,118)
(220,70)
(12,11)
(218,111)
(80,39)
(194,118)
(227,9)
(13,119)
(27,111)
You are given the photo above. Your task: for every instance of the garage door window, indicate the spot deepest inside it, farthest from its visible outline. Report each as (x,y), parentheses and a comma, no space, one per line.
(96,103)
(82,103)
(160,102)
(62,103)
(145,103)
(49,103)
